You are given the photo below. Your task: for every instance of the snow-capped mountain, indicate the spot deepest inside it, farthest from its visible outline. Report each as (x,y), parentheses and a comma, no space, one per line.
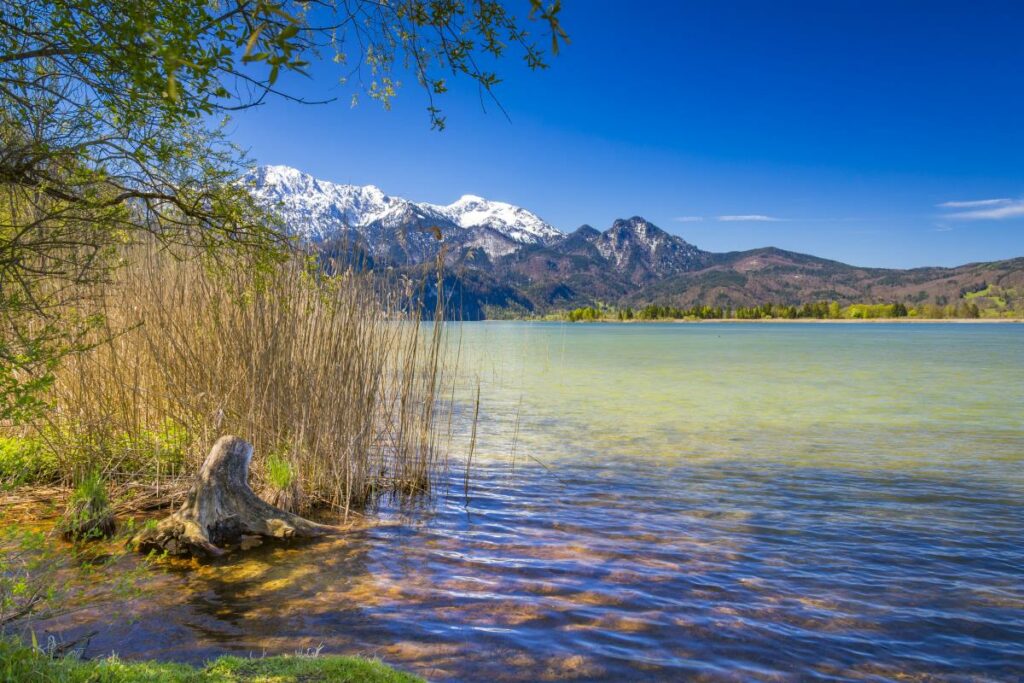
(470,211)
(501,257)
(401,230)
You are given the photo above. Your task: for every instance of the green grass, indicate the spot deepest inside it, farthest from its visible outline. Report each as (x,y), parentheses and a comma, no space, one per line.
(279,471)
(88,514)
(42,460)
(25,460)
(994,294)
(988,291)
(18,663)
(91,491)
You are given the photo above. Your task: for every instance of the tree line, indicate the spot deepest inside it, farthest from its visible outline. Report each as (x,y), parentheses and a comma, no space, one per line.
(818,310)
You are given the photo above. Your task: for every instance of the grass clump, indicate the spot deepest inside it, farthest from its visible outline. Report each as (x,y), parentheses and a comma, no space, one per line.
(279,471)
(20,663)
(89,515)
(305,668)
(285,492)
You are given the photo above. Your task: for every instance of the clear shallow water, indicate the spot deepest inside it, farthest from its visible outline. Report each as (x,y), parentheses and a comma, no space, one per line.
(665,502)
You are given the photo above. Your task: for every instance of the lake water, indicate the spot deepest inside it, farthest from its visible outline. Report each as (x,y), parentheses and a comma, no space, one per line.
(670,502)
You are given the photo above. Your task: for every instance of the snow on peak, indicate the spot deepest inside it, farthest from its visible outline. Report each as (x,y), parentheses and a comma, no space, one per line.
(520,225)
(319,209)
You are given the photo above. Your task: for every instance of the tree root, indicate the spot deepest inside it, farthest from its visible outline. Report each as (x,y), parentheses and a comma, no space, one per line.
(222,510)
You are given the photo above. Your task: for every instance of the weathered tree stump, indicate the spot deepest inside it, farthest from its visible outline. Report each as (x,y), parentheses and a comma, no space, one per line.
(222,510)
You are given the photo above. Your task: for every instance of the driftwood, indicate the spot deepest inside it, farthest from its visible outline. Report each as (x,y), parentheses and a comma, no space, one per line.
(221,510)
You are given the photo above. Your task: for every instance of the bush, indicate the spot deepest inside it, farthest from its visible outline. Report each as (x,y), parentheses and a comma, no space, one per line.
(25,459)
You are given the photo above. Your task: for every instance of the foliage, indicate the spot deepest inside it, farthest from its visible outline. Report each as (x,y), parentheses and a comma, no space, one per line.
(25,372)
(26,459)
(649,312)
(112,116)
(868,311)
(28,570)
(655,312)
(587,314)
(192,58)
(279,472)
(88,515)
(820,310)
(91,491)
(41,578)
(21,663)
(994,300)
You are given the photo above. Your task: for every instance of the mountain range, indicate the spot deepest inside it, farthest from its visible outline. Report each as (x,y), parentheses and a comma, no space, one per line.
(501,258)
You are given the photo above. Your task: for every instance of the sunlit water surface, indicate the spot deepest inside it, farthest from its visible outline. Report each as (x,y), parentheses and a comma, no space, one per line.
(719,501)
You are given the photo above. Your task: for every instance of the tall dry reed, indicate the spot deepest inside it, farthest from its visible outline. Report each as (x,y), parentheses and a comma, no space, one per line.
(331,374)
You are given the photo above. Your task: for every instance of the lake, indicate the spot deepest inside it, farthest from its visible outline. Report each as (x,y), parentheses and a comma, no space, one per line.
(668,501)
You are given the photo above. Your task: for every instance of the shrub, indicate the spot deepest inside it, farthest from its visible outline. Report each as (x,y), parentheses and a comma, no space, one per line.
(26,459)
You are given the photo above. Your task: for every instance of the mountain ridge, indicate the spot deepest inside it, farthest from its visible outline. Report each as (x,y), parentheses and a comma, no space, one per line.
(498,255)
(320,210)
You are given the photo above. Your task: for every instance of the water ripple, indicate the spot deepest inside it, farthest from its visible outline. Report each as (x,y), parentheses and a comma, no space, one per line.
(770,504)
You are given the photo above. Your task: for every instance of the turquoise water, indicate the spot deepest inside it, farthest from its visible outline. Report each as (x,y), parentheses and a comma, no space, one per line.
(673,502)
(939,398)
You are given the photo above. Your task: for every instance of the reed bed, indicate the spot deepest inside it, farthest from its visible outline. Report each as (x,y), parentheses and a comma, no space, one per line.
(333,378)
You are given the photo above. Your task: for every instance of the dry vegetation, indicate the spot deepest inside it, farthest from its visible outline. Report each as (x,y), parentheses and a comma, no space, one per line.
(331,378)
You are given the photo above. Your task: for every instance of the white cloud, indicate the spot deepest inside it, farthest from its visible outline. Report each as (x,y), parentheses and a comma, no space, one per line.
(992,210)
(975,203)
(753,218)
(688,219)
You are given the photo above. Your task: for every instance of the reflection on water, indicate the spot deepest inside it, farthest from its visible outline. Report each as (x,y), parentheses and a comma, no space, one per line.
(715,501)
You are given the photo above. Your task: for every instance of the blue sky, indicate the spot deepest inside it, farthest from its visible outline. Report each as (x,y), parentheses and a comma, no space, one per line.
(876,133)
